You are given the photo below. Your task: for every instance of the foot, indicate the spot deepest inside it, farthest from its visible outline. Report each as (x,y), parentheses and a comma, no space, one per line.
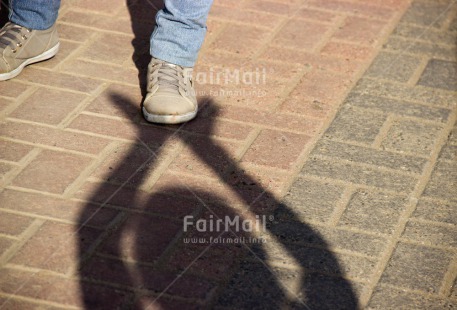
(20,46)
(171,95)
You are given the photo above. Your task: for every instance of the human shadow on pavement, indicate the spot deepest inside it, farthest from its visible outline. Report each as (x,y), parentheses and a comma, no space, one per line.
(145,258)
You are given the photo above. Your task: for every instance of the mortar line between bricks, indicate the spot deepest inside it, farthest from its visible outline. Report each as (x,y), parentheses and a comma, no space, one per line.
(75,53)
(420,40)
(278,28)
(445,248)
(39,86)
(346,183)
(371,147)
(410,208)
(282,265)
(447,22)
(386,81)
(161,166)
(414,78)
(105,234)
(365,165)
(400,116)
(9,162)
(9,237)
(418,292)
(36,270)
(106,116)
(89,169)
(87,11)
(23,163)
(72,115)
(331,31)
(16,102)
(238,23)
(383,132)
(72,56)
(120,64)
(247,143)
(349,13)
(341,206)
(449,278)
(79,75)
(349,42)
(23,238)
(36,301)
(434,223)
(48,147)
(46,217)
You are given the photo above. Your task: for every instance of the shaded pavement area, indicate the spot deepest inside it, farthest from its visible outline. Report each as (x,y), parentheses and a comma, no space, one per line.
(329,126)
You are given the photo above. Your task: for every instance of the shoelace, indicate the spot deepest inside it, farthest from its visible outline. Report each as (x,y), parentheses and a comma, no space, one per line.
(168,76)
(9,36)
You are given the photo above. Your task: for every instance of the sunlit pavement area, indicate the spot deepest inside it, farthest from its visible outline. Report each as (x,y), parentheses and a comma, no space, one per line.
(326,129)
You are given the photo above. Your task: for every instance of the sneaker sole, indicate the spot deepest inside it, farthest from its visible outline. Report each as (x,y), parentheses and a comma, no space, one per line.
(168,119)
(44,56)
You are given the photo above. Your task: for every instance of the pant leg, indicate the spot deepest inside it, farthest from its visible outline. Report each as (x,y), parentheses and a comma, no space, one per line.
(180,31)
(34,14)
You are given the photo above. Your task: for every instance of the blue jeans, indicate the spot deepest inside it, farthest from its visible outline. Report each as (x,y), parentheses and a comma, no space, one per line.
(180,31)
(177,38)
(34,14)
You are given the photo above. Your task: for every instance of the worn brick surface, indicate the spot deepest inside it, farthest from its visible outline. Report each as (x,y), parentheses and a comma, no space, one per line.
(440,74)
(269,148)
(51,171)
(359,175)
(356,125)
(313,199)
(377,212)
(56,208)
(416,93)
(13,151)
(359,183)
(46,106)
(394,298)
(55,247)
(12,224)
(369,156)
(398,107)
(431,234)
(41,135)
(394,67)
(417,267)
(412,136)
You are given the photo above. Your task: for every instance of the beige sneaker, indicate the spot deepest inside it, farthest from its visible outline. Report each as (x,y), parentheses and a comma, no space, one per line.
(20,46)
(171,95)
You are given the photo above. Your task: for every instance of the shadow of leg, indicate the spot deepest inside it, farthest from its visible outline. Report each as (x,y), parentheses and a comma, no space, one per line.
(142,16)
(4,11)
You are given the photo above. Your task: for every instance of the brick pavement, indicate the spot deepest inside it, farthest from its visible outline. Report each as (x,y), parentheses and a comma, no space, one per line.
(347,140)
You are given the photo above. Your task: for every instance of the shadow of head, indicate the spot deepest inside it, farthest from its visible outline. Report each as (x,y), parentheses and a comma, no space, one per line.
(187,244)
